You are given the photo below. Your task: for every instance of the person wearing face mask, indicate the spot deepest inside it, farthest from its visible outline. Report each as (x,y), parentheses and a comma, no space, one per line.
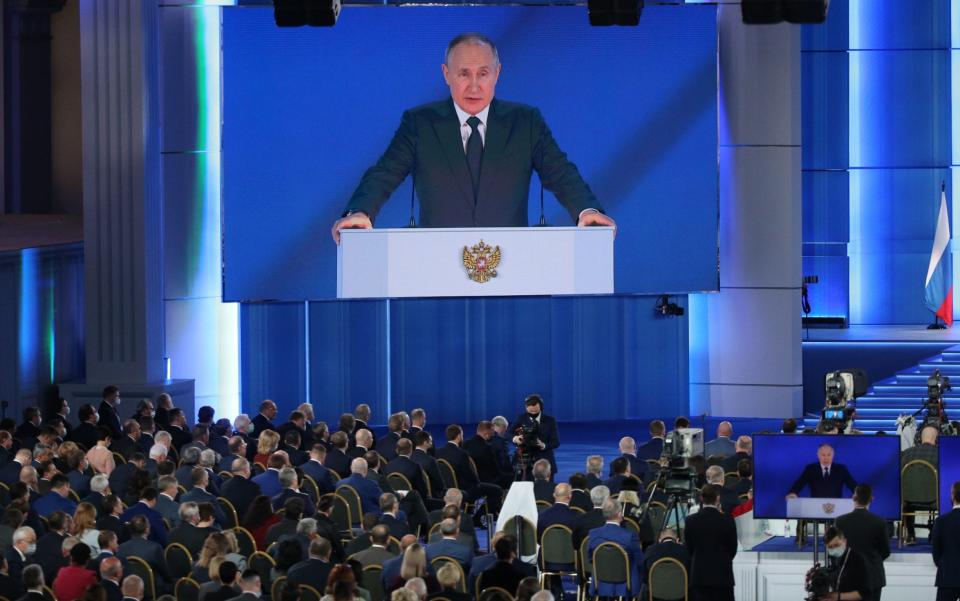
(851,581)
(23,547)
(547,436)
(108,411)
(63,413)
(87,433)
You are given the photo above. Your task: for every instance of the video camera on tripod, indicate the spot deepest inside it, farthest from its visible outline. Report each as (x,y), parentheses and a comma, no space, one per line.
(842,388)
(677,475)
(934,407)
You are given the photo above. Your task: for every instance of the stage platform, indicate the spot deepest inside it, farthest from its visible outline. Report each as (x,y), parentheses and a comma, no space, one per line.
(888,333)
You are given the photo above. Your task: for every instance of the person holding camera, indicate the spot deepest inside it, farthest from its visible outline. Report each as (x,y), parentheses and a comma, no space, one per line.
(848,577)
(535,435)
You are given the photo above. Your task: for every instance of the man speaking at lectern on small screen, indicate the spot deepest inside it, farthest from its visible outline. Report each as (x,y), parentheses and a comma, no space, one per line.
(471,156)
(824,478)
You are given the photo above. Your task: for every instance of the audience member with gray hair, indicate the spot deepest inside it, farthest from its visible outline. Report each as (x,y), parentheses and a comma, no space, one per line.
(449,546)
(593,518)
(418,586)
(290,489)
(612,532)
(167,506)
(594,471)
(33,582)
(133,588)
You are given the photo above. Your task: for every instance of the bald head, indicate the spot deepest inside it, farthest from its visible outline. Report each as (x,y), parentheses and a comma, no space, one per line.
(929,435)
(359,466)
(111,569)
(562,492)
(364,438)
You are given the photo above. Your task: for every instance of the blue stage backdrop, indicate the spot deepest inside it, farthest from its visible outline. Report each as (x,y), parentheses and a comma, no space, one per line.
(949,469)
(307,110)
(778,461)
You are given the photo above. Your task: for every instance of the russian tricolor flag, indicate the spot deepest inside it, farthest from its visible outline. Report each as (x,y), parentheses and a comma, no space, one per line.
(938,295)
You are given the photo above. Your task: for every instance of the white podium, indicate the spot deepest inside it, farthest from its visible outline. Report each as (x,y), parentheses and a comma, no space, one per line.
(438,262)
(818,509)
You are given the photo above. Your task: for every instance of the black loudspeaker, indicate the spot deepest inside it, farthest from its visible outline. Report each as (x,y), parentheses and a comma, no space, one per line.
(614,12)
(297,13)
(765,12)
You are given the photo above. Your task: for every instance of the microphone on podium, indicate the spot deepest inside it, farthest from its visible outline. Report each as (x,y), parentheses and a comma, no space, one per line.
(413,192)
(543,218)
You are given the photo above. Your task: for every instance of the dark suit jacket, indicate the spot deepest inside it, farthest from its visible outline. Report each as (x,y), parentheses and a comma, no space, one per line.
(190,537)
(85,434)
(432,469)
(158,532)
(387,446)
(10,473)
(820,487)
(652,449)
(662,550)
(120,478)
(557,514)
(113,523)
(367,489)
(460,461)
(110,419)
(638,467)
(373,556)
(297,457)
(281,497)
(946,549)
(488,467)
(339,462)
(543,490)
(711,540)
(593,481)
(240,492)
(180,437)
(113,591)
(313,572)
(866,533)
(585,523)
(730,463)
(411,470)
(124,445)
(398,528)
(261,423)
(549,434)
(450,548)
(429,144)
(49,554)
(581,499)
(502,574)
(150,552)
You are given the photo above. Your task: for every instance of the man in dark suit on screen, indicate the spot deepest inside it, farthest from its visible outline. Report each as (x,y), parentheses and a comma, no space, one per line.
(472,156)
(946,549)
(824,478)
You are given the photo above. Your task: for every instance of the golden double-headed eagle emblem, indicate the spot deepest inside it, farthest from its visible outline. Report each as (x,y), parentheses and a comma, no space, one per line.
(481,261)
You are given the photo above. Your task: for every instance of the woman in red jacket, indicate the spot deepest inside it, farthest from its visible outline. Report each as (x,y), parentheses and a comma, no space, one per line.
(74,579)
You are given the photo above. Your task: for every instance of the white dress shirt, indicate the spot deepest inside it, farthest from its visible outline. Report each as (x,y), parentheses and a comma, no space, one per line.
(465,129)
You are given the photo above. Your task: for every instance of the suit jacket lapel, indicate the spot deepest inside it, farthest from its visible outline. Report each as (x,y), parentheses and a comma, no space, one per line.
(494,143)
(447,128)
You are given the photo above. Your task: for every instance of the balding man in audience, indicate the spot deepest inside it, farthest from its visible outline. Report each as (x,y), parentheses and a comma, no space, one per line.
(132,588)
(376,553)
(314,570)
(594,469)
(628,450)
(111,573)
(722,446)
(391,517)
(264,419)
(743,450)
(337,458)
(367,489)
(448,546)
(403,464)
(612,532)
(363,440)
(653,448)
(240,490)
(484,457)
(559,512)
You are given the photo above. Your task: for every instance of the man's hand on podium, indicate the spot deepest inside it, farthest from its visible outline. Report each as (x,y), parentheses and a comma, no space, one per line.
(353,221)
(592,217)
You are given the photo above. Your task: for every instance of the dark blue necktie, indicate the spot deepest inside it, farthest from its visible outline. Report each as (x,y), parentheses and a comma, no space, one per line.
(474,152)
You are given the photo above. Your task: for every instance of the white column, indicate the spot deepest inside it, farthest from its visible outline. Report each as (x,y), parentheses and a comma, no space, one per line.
(745,342)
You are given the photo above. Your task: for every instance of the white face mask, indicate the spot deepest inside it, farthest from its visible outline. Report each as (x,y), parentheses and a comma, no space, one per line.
(66,410)
(836,552)
(31,549)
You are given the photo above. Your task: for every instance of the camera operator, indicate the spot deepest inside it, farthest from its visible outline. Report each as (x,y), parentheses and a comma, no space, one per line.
(535,435)
(849,578)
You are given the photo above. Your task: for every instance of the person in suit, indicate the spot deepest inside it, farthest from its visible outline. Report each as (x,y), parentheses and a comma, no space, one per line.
(484,456)
(127,444)
(593,518)
(668,547)
(945,538)
(559,512)
(314,570)
(167,506)
(111,572)
(142,545)
(542,481)
(291,446)
(109,417)
(722,446)
(579,496)
(546,436)
(132,588)
(628,450)
(448,546)
(594,474)
(292,514)
(269,480)
(86,433)
(403,464)
(925,451)
(236,448)
(147,430)
(28,432)
(99,488)
(23,547)
(337,458)
(502,573)
(363,442)
(191,532)
(620,471)
(711,540)
(164,404)
(58,499)
(424,456)
(361,421)
(10,473)
(31,587)
(319,473)
(121,476)
(448,577)
(376,553)
(500,442)
(728,496)
(391,517)
(367,489)
(483,562)
(300,423)
(109,545)
(824,478)
(264,419)
(49,553)
(145,508)
(743,449)
(199,494)
(612,532)
(653,447)
(109,519)
(467,478)
(225,587)
(387,446)
(867,534)
(177,428)
(291,488)
(240,490)
(250,586)
(433,139)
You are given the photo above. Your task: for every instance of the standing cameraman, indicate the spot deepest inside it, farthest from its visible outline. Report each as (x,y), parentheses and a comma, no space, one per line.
(849,578)
(535,435)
